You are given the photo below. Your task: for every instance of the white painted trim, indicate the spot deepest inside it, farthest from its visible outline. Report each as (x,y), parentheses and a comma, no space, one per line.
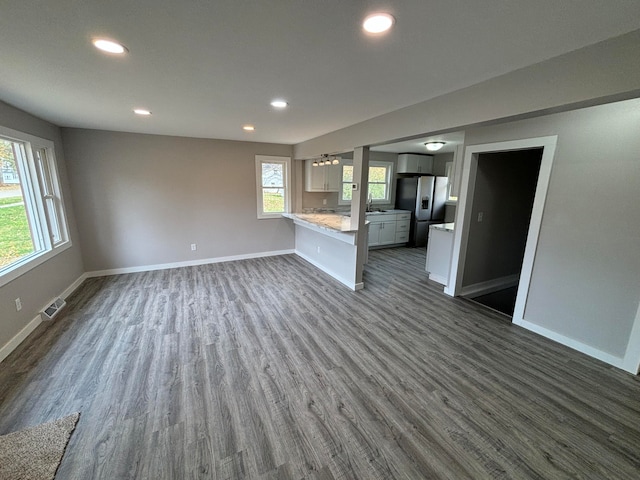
(73,287)
(571,343)
(190,263)
(548,154)
(12,344)
(490,286)
(631,361)
(286,161)
(352,285)
(438,278)
(465,200)
(30,262)
(462,222)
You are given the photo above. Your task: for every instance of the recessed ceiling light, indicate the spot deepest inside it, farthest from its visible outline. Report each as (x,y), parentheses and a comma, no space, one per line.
(109,46)
(378,22)
(279,104)
(249,128)
(141,111)
(434,146)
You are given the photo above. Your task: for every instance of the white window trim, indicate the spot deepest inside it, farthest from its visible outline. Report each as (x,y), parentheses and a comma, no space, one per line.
(28,262)
(373,163)
(286,161)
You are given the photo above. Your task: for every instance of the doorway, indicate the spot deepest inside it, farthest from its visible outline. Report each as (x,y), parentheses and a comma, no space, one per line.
(504,191)
(494,248)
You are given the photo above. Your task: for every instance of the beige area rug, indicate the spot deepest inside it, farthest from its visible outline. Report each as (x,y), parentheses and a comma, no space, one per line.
(35,453)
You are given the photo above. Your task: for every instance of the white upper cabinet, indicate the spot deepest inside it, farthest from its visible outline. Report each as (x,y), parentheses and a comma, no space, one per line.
(326,178)
(412,163)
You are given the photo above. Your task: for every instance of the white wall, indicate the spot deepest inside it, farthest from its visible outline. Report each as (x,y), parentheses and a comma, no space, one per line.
(586,273)
(142,200)
(36,287)
(335,257)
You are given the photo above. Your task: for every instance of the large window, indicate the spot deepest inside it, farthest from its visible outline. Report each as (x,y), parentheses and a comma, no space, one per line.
(272,181)
(32,219)
(379,188)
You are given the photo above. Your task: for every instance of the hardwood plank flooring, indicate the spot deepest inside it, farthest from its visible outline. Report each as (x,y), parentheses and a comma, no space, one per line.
(270,369)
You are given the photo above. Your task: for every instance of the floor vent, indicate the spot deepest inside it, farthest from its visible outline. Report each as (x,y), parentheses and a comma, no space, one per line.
(53,309)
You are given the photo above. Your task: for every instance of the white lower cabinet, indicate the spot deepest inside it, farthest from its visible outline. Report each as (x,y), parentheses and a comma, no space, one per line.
(388,228)
(382,232)
(439,251)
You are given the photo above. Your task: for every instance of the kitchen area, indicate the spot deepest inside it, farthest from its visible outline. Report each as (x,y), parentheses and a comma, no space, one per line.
(409,200)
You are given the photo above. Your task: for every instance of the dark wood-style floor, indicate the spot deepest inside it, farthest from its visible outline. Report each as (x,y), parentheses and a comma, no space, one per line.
(269,369)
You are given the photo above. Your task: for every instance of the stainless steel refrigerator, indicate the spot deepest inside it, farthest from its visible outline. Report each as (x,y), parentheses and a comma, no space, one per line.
(425,197)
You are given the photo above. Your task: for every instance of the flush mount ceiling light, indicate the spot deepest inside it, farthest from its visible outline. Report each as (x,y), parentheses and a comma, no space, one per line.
(109,46)
(248,128)
(378,23)
(279,104)
(142,111)
(434,146)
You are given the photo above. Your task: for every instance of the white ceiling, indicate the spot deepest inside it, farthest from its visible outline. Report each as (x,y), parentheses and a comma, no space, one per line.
(207,67)
(451,140)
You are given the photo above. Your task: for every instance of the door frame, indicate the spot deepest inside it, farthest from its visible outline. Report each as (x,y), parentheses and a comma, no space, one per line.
(463,213)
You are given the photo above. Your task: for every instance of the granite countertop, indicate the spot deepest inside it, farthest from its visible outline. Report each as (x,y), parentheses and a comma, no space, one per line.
(378,212)
(327,221)
(445,227)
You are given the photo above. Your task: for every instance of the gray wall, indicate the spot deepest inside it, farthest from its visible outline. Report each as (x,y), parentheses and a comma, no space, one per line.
(586,270)
(144,199)
(505,187)
(36,287)
(440,163)
(595,74)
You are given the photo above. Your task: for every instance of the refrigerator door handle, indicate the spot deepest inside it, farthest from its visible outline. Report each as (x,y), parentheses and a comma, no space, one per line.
(425,202)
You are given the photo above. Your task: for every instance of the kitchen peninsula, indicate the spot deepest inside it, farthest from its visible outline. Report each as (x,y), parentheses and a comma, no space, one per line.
(328,241)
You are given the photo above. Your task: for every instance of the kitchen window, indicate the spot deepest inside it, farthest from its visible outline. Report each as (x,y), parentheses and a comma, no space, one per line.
(33,225)
(379,187)
(273,177)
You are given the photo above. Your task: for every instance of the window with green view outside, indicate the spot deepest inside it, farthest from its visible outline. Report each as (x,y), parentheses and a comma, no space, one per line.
(15,233)
(272,182)
(379,182)
(32,219)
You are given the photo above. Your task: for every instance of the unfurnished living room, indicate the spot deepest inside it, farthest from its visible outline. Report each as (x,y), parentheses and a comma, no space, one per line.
(319,240)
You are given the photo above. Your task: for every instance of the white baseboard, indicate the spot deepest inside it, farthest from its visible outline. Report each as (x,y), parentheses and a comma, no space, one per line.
(189,263)
(73,287)
(12,344)
(576,345)
(352,285)
(438,278)
(490,286)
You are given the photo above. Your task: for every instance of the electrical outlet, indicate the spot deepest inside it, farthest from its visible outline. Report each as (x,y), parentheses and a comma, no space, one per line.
(194,247)
(480,215)
(324,201)
(18,304)
(318,249)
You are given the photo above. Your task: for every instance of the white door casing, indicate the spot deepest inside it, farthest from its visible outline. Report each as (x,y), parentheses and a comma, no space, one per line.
(463,213)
